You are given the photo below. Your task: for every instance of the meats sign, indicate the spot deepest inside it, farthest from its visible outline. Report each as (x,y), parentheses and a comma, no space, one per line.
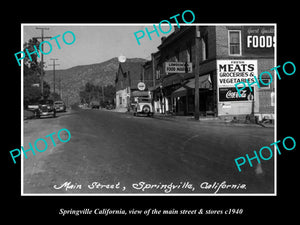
(230,72)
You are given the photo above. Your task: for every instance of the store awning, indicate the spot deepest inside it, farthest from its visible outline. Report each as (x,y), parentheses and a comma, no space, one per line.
(204,83)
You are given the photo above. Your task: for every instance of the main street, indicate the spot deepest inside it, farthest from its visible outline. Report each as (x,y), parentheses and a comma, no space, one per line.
(118,151)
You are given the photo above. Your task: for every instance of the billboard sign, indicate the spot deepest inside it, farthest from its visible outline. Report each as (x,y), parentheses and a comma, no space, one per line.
(230,72)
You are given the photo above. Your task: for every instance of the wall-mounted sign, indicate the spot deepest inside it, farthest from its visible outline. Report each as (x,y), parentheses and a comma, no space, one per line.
(231,94)
(259,39)
(178,67)
(230,72)
(141,86)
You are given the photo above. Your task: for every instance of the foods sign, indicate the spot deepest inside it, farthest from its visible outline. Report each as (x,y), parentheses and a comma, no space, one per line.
(259,39)
(230,72)
(178,67)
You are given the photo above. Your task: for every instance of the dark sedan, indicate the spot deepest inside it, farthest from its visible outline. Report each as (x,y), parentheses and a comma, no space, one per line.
(60,106)
(46,109)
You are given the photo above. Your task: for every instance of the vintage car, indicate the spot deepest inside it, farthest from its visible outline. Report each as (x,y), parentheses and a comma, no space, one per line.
(46,108)
(59,106)
(143,106)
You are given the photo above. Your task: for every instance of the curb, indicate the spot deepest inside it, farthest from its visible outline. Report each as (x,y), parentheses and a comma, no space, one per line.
(214,120)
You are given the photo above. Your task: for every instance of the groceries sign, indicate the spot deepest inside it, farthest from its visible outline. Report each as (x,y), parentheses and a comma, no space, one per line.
(230,72)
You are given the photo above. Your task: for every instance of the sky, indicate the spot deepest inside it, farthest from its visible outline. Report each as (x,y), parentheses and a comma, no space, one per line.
(94,43)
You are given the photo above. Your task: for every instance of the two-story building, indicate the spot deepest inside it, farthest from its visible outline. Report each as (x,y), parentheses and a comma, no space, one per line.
(128,76)
(226,55)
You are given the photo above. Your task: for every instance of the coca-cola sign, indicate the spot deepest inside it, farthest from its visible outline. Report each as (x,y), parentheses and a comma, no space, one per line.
(231,94)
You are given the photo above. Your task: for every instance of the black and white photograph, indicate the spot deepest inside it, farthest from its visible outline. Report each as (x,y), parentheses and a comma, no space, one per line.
(148,109)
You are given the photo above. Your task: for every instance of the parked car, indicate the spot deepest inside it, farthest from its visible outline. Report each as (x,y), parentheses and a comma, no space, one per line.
(95,105)
(60,106)
(34,108)
(109,106)
(46,108)
(143,106)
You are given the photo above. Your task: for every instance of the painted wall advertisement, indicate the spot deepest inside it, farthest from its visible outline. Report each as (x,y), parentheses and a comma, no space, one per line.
(259,39)
(230,72)
(231,94)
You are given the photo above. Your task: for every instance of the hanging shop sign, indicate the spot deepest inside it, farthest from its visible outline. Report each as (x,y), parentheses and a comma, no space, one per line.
(231,72)
(178,67)
(231,94)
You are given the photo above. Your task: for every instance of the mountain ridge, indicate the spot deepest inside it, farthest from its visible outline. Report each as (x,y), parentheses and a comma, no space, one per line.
(74,79)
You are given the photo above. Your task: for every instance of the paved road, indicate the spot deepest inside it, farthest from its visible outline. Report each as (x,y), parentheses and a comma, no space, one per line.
(113,152)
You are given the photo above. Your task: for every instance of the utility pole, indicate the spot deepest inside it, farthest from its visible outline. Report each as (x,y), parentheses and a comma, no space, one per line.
(53,65)
(103,97)
(59,86)
(153,79)
(42,61)
(153,69)
(197,61)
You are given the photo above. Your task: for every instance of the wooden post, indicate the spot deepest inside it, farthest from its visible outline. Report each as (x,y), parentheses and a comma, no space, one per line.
(197,61)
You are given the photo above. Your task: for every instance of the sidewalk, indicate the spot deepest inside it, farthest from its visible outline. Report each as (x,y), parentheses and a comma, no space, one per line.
(205,119)
(211,120)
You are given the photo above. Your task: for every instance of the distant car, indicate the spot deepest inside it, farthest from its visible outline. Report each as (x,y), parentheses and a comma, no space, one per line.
(95,106)
(60,106)
(46,108)
(109,106)
(143,106)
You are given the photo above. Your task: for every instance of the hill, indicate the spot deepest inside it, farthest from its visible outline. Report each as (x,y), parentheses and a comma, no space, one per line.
(74,79)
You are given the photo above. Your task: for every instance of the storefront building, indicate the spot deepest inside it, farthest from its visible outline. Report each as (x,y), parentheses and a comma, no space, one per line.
(128,76)
(226,55)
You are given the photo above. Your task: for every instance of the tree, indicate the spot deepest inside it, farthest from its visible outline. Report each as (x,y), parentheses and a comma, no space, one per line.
(110,92)
(93,93)
(54,96)
(32,71)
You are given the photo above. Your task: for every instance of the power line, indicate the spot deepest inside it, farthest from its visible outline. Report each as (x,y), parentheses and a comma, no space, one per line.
(53,66)
(42,61)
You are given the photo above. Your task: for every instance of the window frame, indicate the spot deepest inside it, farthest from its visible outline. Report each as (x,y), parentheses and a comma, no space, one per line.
(262,86)
(240,43)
